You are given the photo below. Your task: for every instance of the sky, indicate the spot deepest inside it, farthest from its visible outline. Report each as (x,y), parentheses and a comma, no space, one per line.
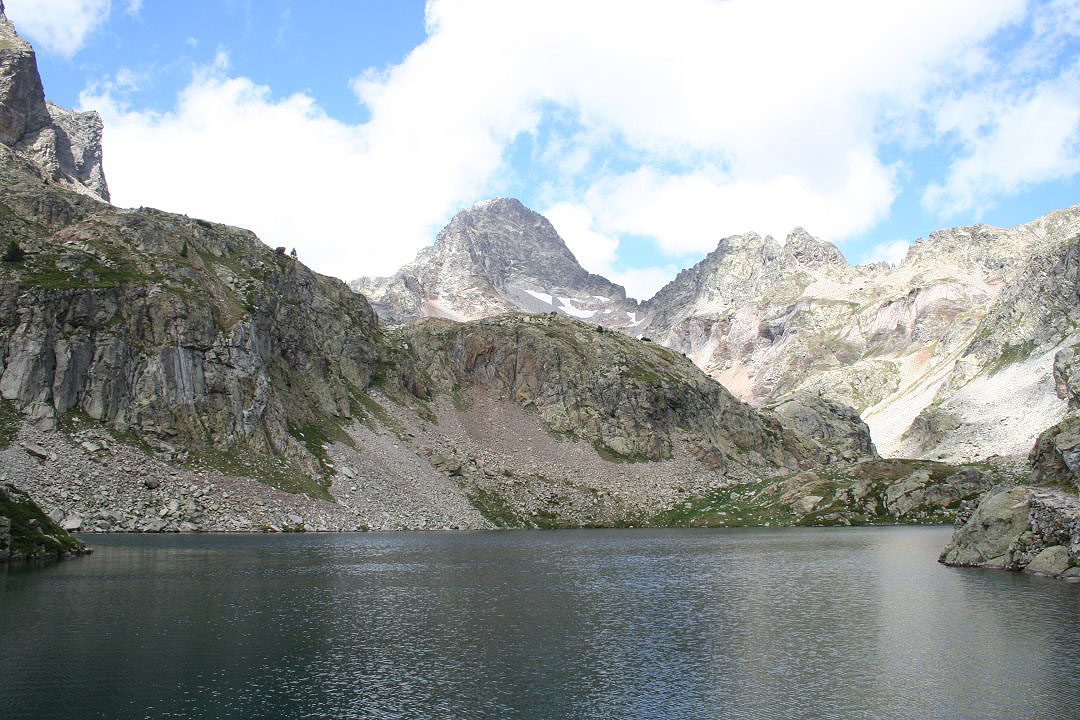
(645,131)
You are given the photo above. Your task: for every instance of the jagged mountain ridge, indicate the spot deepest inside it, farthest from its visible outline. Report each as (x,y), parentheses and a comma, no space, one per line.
(880,338)
(497,256)
(768,319)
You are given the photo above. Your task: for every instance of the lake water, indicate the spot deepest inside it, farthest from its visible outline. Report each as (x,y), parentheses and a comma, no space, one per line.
(737,623)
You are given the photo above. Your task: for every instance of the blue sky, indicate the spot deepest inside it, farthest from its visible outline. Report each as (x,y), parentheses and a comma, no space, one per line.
(645,132)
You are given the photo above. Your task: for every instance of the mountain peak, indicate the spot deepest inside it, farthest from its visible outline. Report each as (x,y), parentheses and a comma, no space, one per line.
(494,257)
(804,248)
(65,145)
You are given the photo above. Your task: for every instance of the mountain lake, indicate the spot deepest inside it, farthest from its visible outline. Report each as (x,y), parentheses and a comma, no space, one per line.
(732,623)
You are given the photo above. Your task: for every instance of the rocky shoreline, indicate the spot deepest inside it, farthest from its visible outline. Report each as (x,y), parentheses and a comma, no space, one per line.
(1032,529)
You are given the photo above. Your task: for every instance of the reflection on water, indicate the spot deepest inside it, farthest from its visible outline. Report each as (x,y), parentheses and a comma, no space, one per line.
(792,623)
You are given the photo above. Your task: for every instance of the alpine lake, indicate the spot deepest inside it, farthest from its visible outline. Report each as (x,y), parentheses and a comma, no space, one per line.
(729,623)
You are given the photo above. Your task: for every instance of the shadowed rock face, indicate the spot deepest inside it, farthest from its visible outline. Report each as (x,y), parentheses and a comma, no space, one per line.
(629,398)
(66,145)
(1055,458)
(27,533)
(834,425)
(1067,375)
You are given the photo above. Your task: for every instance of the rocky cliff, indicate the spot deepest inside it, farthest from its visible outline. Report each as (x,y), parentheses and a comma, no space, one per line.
(65,145)
(631,399)
(920,349)
(193,337)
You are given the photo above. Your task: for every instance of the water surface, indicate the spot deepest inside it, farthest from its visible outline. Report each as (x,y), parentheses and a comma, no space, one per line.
(731,623)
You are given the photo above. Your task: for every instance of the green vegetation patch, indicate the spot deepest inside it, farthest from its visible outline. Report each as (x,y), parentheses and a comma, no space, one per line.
(33,535)
(318,434)
(369,412)
(92,275)
(769,501)
(648,373)
(9,422)
(275,471)
(1011,354)
(744,505)
(615,456)
(496,509)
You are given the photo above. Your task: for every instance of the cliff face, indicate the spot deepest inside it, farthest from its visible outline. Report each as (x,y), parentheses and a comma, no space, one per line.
(190,335)
(65,145)
(1004,387)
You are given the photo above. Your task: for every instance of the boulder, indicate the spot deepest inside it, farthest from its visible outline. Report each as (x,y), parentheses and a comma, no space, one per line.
(1055,458)
(1053,560)
(72,523)
(832,424)
(154,525)
(36,451)
(984,540)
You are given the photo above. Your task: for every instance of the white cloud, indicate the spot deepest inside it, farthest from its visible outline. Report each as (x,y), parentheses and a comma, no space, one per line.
(598,253)
(595,252)
(59,26)
(231,152)
(689,212)
(134,7)
(1012,141)
(722,116)
(890,252)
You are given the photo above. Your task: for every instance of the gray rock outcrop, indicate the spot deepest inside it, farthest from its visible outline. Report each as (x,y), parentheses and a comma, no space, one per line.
(1030,528)
(1067,375)
(986,538)
(834,425)
(64,144)
(1055,457)
(629,398)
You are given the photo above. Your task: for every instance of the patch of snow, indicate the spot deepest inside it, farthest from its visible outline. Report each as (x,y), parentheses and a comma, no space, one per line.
(542,297)
(602,298)
(575,312)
